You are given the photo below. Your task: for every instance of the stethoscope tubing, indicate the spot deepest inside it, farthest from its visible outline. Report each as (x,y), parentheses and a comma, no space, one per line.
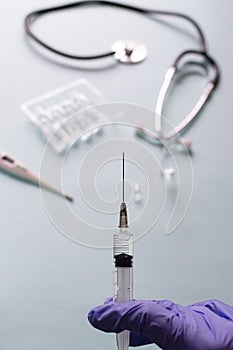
(33,16)
(171,72)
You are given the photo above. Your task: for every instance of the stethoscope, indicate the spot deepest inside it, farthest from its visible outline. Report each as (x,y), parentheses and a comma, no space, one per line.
(132,52)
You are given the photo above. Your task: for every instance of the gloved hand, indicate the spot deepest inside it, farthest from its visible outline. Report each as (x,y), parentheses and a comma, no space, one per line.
(206,325)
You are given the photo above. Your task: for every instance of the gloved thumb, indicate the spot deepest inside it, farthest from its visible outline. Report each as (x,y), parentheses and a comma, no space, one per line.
(157,320)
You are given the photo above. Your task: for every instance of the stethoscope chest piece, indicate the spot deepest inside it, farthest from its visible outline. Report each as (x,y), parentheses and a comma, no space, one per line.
(129,51)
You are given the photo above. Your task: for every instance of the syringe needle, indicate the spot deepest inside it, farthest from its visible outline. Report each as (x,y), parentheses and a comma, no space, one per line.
(123,208)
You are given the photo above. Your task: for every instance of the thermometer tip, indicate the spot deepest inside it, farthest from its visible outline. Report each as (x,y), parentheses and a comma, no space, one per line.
(69,198)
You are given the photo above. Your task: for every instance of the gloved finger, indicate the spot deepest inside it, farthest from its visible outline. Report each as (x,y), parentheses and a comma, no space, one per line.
(139,340)
(148,318)
(108,300)
(135,339)
(219,308)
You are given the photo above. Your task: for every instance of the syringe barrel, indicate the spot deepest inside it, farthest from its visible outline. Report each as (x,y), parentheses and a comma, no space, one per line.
(122,243)
(123,284)
(123,276)
(123,261)
(123,291)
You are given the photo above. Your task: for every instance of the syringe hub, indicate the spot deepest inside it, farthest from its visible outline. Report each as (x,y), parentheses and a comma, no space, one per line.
(123,216)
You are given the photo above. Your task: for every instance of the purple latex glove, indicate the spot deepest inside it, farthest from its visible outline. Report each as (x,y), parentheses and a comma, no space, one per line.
(206,325)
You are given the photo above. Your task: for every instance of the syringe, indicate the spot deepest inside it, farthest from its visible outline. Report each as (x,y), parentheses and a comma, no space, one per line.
(123,261)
